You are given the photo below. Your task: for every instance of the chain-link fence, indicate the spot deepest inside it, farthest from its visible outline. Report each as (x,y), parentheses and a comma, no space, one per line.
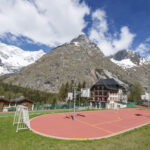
(1,109)
(79,106)
(59,106)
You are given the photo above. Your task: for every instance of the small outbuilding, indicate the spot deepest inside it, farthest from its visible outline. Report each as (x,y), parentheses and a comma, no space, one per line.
(3,103)
(21,101)
(6,105)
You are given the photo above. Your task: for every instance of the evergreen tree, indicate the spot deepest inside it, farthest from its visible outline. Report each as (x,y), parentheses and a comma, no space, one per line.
(79,86)
(62,93)
(84,85)
(135,92)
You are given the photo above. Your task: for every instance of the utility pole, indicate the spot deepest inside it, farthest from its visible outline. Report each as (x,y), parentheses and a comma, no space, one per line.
(148,99)
(79,102)
(100,106)
(75,93)
(99,102)
(74,100)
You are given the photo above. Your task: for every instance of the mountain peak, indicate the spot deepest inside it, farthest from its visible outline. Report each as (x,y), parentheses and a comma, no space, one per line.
(127,59)
(124,54)
(81,38)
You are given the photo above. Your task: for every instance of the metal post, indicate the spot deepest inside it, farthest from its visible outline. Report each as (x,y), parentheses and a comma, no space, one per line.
(79,102)
(148,99)
(100,104)
(74,108)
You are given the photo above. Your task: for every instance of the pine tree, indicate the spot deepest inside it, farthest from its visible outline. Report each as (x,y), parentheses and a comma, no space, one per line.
(79,86)
(84,85)
(62,93)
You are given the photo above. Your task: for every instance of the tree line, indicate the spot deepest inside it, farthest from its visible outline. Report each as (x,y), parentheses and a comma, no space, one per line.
(10,91)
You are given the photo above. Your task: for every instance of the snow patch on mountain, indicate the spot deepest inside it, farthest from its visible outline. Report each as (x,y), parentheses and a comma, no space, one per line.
(12,58)
(76,43)
(125,63)
(128,59)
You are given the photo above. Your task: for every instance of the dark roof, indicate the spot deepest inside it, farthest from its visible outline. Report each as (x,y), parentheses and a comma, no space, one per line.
(110,84)
(19,99)
(2,98)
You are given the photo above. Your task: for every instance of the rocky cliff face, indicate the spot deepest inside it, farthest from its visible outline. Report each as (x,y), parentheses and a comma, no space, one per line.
(141,74)
(80,60)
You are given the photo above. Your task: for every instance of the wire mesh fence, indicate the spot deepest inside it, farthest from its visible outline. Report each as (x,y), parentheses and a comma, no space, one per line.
(79,106)
(59,106)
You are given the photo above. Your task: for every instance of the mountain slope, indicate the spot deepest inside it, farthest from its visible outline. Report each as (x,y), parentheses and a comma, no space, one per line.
(12,58)
(80,60)
(137,67)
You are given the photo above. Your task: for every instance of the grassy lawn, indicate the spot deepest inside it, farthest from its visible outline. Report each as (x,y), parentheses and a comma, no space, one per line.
(138,139)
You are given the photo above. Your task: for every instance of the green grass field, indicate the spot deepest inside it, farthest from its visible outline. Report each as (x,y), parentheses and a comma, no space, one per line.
(138,139)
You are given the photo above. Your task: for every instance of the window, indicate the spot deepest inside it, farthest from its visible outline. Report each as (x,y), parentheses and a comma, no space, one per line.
(100,93)
(12,104)
(105,93)
(96,98)
(95,93)
(6,104)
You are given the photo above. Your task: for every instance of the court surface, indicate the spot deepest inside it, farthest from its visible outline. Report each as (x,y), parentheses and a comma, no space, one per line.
(90,124)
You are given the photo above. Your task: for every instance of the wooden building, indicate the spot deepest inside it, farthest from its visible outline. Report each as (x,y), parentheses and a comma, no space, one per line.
(21,101)
(3,103)
(108,91)
(6,104)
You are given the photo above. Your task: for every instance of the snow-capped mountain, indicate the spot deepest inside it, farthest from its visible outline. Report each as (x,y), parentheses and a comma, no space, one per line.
(128,59)
(12,58)
(80,61)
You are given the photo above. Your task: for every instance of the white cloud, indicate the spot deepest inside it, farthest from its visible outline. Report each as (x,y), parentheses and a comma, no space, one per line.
(49,22)
(8,37)
(107,42)
(100,20)
(148,39)
(144,49)
(126,39)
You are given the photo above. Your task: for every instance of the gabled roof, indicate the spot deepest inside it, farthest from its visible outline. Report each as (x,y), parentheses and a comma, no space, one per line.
(110,84)
(2,98)
(19,100)
(110,81)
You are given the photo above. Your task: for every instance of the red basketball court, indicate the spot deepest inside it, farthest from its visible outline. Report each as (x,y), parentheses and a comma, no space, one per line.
(90,124)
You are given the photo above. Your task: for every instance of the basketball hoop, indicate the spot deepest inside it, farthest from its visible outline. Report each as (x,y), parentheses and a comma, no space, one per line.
(85,92)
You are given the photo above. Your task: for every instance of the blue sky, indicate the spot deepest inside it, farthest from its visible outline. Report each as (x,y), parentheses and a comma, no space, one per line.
(131,13)
(112,24)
